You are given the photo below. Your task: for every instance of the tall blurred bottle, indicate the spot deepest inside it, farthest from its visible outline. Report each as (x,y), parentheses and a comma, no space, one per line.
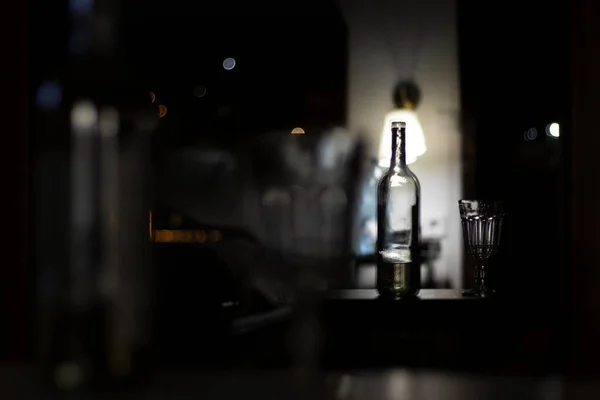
(92,125)
(398,216)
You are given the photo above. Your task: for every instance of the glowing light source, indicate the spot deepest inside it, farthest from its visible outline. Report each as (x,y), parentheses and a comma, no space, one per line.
(68,376)
(531,134)
(162,111)
(229,63)
(184,236)
(80,7)
(181,236)
(553,130)
(200,91)
(108,122)
(298,131)
(84,115)
(49,95)
(415,138)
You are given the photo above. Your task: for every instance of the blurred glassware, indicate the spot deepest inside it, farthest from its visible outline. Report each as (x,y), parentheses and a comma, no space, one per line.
(309,188)
(367,224)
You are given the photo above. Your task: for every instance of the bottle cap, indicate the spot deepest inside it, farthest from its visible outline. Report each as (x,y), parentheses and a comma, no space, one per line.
(398,124)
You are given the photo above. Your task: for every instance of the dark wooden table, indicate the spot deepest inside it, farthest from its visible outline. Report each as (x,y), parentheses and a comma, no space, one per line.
(440,329)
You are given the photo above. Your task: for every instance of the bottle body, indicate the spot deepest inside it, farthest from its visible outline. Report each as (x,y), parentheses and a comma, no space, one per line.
(398,216)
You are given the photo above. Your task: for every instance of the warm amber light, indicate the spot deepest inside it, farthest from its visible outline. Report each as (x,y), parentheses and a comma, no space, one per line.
(152,97)
(298,131)
(215,236)
(162,111)
(178,235)
(182,236)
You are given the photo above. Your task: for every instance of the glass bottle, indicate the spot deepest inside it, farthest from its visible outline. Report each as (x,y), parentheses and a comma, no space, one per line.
(398,229)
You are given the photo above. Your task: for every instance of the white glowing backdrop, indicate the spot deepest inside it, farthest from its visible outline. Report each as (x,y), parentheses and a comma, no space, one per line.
(376,30)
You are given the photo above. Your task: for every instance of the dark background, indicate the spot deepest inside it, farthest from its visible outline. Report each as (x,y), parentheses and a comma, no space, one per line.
(291,61)
(514,76)
(514,63)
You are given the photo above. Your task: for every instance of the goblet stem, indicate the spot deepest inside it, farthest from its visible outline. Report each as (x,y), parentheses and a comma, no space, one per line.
(482,280)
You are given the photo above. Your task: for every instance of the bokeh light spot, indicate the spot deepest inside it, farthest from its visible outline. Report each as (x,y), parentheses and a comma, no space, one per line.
(229,63)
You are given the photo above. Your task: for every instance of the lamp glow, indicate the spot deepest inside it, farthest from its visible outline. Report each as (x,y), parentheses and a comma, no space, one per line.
(162,111)
(553,130)
(415,138)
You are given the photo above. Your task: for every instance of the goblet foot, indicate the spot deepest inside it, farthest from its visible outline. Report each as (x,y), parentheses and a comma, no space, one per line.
(478,292)
(486,292)
(470,293)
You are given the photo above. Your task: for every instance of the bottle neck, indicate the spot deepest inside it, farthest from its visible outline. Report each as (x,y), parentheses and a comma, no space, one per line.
(398,148)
